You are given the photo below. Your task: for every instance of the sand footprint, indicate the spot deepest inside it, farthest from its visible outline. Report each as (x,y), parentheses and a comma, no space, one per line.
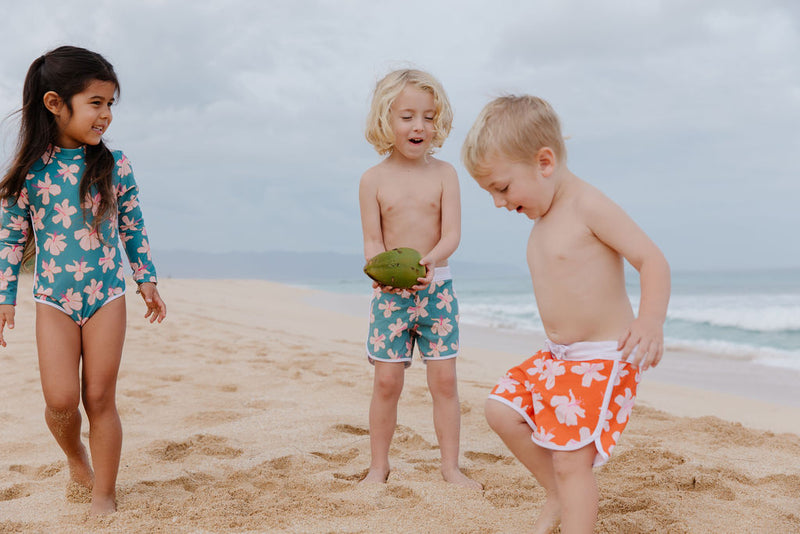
(16,491)
(38,473)
(205,444)
(350,429)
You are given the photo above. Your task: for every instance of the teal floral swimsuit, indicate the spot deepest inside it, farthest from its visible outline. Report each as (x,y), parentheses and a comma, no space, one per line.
(77,269)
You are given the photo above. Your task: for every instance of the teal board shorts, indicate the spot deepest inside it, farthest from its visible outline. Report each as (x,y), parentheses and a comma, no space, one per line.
(428,317)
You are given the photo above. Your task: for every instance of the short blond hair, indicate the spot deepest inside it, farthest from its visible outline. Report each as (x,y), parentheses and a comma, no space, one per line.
(516,127)
(379,127)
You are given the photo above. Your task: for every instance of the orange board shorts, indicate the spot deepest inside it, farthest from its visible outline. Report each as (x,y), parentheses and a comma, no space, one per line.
(573,395)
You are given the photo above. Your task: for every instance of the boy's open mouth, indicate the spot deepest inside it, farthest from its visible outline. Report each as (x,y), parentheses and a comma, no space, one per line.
(415,140)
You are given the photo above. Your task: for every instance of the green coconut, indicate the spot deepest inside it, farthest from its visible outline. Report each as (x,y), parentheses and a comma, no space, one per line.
(398,267)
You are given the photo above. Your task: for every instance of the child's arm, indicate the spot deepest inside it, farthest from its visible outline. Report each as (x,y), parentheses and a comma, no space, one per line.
(6,318)
(370,216)
(451,227)
(617,230)
(133,235)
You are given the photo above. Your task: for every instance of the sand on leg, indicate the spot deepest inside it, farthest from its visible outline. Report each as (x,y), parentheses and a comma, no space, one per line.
(103,337)
(443,386)
(386,388)
(58,340)
(516,434)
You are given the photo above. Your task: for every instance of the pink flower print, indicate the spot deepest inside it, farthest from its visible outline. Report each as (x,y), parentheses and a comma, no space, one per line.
(46,188)
(87,239)
(623,371)
(567,409)
(72,300)
(377,341)
(608,415)
(50,268)
(128,224)
(18,223)
(454,346)
(6,277)
(418,309)
(79,268)
(55,243)
(22,199)
(393,355)
(405,293)
(552,369)
(91,202)
(108,262)
(144,249)
(130,204)
(4,233)
(625,404)
(590,371)
(12,254)
(441,326)
(139,271)
(121,273)
(397,329)
(64,213)
(538,405)
(518,403)
(388,307)
(437,348)
(124,166)
(538,367)
(67,172)
(445,298)
(37,217)
(112,291)
(506,384)
(94,292)
(542,434)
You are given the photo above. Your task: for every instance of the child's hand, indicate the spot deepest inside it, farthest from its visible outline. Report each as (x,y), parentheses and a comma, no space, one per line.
(646,338)
(425,281)
(6,318)
(156,309)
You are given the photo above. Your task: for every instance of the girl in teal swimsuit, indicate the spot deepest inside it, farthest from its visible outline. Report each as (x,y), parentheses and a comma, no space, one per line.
(66,203)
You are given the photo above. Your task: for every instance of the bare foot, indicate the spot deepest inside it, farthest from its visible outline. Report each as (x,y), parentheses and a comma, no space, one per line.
(80,470)
(549,516)
(103,505)
(455,476)
(376,476)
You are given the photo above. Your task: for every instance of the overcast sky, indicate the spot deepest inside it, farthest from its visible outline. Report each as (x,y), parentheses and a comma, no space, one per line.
(244,119)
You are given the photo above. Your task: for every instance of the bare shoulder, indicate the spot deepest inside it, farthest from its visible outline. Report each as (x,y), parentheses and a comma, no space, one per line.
(444,170)
(590,200)
(373,174)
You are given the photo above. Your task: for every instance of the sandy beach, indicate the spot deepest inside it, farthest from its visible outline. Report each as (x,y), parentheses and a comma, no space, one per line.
(246,411)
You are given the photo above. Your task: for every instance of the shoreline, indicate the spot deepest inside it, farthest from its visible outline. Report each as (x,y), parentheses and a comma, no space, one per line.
(742,391)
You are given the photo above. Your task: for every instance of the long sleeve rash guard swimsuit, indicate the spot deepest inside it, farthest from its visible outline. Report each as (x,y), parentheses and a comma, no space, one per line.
(78,269)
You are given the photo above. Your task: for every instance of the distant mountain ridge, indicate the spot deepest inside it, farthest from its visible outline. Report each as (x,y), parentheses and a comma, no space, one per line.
(294,267)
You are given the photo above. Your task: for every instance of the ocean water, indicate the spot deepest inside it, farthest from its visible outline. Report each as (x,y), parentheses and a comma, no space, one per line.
(753,315)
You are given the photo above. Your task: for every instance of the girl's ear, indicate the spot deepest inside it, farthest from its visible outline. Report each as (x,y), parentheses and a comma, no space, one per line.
(546,159)
(53,102)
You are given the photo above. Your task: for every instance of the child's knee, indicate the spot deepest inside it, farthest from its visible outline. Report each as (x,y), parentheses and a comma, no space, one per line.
(98,400)
(569,463)
(498,416)
(388,385)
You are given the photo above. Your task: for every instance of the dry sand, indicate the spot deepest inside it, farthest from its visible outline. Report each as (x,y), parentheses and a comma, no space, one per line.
(246,411)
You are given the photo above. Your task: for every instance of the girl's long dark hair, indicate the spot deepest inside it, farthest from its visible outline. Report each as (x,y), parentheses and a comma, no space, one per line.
(67,71)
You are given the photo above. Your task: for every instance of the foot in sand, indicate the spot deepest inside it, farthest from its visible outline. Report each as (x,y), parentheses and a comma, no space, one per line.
(80,470)
(376,476)
(455,476)
(549,517)
(103,505)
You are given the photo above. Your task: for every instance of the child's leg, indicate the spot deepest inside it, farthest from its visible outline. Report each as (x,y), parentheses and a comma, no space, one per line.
(577,489)
(386,388)
(103,336)
(443,386)
(58,340)
(516,434)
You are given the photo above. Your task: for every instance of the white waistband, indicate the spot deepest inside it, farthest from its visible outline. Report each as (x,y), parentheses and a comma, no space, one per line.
(440,274)
(585,350)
